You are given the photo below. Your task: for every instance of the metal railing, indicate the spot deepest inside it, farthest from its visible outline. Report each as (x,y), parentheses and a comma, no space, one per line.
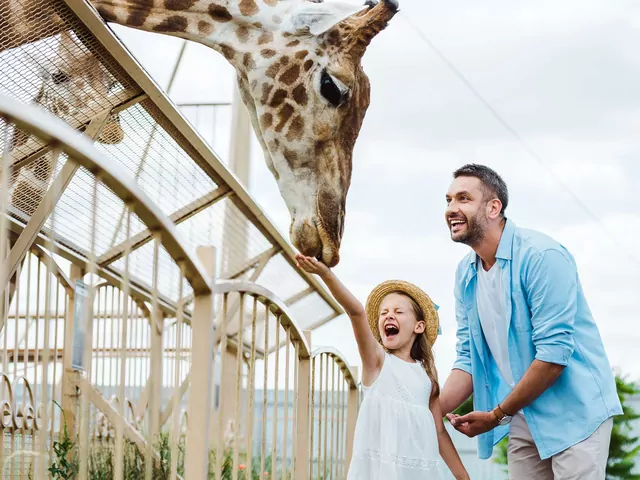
(121,376)
(32,429)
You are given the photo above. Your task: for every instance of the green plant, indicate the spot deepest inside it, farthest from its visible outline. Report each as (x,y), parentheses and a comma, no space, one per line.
(466,407)
(64,465)
(624,448)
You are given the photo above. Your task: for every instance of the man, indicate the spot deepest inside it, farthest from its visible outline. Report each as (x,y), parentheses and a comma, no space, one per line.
(528,347)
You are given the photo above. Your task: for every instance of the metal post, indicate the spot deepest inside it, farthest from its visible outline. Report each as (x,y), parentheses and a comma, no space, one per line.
(69,394)
(301,462)
(199,408)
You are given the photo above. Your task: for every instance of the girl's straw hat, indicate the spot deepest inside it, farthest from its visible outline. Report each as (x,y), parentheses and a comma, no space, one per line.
(429,308)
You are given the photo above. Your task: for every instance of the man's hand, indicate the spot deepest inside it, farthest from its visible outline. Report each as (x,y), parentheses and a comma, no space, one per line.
(473,423)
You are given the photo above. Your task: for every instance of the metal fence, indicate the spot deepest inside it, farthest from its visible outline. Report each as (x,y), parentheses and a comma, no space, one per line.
(122,376)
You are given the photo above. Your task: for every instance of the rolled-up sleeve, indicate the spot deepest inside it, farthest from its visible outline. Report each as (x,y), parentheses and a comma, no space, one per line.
(551,284)
(463,355)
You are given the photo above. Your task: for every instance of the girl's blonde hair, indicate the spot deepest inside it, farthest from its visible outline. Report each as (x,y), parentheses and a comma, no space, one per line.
(421,349)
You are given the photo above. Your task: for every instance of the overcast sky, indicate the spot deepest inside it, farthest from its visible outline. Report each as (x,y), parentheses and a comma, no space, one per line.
(564,75)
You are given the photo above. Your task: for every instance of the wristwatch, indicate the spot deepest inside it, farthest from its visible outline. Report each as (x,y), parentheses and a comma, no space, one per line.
(503,418)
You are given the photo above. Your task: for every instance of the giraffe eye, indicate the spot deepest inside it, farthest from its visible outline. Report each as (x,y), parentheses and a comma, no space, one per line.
(331,91)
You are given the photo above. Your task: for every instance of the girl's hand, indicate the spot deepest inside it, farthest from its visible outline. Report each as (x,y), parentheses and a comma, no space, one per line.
(311,265)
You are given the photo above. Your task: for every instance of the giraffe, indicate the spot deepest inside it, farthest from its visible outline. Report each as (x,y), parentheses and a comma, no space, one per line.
(66,95)
(299,72)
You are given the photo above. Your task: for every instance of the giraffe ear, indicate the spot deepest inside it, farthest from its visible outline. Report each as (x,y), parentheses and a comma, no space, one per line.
(317,18)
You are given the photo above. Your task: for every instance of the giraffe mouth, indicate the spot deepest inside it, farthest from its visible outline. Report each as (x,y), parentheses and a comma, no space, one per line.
(312,240)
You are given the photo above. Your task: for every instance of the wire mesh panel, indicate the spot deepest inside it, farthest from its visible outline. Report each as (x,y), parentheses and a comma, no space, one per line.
(112,357)
(262,391)
(32,342)
(48,57)
(333,388)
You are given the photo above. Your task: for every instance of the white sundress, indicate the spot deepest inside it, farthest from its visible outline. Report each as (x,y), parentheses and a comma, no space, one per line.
(395,437)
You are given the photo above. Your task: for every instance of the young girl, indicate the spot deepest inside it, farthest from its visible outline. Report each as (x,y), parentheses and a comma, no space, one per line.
(399,433)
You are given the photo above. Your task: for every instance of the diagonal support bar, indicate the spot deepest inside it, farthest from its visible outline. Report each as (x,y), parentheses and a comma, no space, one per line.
(177,217)
(46,205)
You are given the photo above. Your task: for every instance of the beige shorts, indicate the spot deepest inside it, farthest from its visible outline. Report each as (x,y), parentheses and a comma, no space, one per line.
(586,460)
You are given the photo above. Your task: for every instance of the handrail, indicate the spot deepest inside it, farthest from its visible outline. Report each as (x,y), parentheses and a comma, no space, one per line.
(82,151)
(348,373)
(279,307)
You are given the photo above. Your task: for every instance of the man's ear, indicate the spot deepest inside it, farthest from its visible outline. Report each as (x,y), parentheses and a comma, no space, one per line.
(317,18)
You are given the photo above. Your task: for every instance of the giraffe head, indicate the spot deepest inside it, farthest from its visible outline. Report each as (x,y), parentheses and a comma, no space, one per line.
(77,86)
(299,71)
(307,95)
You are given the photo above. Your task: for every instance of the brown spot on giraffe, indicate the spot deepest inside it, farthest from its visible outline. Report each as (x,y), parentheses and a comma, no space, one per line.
(283,116)
(274,144)
(273,70)
(178,5)
(257,24)
(278,98)
(267,52)
(284,60)
(295,129)
(205,27)
(247,61)
(138,14)
(107,14)
(293,43)
(173,24)
(300,95)
(333,38)
(242,33)
(307,65)
(248,8)
(302,54)
(266,91)
(290,156)
(266,120)
(290,75)
(265,37)
(219,13)
(228,52)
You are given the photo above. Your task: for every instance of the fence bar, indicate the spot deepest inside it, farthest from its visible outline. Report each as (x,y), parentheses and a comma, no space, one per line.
(302,463)
(197,453)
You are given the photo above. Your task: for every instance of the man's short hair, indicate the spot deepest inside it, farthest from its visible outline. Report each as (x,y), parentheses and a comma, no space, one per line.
(492,184)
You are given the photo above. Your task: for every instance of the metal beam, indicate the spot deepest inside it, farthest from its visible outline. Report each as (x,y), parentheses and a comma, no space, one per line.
(251,263)
(32,157)
(298,296)
(138,290)
(177,217)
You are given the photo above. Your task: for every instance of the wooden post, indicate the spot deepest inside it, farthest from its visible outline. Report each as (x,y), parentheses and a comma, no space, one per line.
(201,378)
(227,392)
(352,415)
(303,398)
(69,389)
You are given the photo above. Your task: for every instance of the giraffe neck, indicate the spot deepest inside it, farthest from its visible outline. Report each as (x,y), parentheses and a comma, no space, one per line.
(228,26)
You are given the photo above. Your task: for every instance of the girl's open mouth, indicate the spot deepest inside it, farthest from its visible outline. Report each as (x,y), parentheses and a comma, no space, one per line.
(391,331)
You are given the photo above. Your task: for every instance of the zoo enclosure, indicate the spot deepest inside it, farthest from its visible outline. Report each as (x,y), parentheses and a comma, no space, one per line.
(91,238)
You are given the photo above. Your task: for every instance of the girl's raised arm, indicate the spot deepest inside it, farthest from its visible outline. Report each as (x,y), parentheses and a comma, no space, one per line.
(371,352)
